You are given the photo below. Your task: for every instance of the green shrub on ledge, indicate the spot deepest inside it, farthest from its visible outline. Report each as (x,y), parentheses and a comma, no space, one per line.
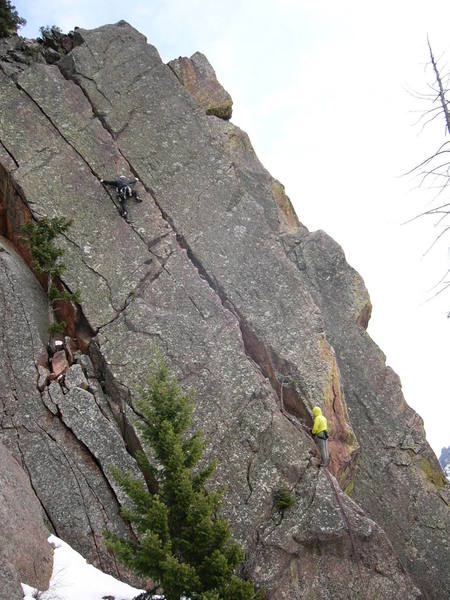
(39,237)
(283,498)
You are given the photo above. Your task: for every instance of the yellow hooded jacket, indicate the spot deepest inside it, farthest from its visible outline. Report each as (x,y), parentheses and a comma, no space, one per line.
(320,422)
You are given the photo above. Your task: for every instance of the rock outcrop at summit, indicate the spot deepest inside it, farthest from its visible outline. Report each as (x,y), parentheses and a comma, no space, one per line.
(261,317)
(199,78)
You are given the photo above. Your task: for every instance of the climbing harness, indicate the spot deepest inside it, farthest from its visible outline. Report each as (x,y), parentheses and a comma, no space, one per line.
(124,192)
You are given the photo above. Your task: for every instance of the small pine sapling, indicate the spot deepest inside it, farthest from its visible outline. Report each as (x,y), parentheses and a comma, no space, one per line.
(39,237)
(283,498)
(183,544)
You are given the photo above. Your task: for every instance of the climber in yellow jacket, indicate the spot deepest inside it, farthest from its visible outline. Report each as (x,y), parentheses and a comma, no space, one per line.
(320,430)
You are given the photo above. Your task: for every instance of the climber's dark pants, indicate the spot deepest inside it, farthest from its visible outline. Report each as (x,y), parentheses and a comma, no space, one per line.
(322,442)
(124,194)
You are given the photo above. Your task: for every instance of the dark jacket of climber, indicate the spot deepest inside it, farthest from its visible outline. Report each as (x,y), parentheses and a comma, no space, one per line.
(320,430)
(125,191)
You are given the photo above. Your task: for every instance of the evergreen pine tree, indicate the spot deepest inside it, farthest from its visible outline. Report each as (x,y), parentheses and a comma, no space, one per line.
(39,237)
(9,19)
(183,544)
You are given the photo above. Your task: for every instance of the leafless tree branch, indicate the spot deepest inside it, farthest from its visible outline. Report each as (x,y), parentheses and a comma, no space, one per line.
(441,88)
(435,169)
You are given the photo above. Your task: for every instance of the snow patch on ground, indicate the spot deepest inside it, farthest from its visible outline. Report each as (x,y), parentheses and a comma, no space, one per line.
(75,579)
(447,471)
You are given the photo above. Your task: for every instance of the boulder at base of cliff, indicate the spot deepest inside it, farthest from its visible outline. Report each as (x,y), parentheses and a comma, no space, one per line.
(24,549)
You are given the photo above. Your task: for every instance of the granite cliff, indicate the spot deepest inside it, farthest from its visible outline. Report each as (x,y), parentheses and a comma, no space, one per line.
(263,318)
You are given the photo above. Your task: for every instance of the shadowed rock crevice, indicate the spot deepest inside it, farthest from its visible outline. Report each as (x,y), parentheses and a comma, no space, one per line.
(264,358)
(119,399)
(5,149)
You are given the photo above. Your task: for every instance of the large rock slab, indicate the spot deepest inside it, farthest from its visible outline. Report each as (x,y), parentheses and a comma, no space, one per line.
(10,578)
(214,271)
(217,216)
(399,482)
(78,500)
(57,181)
(23,534)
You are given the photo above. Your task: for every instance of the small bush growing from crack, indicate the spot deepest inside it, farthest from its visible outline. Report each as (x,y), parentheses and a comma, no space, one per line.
(39,237)
(33,52)
(283,498)
(183,544)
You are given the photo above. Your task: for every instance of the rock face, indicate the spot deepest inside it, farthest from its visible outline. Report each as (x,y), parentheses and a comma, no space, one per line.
(263,318)
(199,78)
(395,461)
(24,552)
(52,433)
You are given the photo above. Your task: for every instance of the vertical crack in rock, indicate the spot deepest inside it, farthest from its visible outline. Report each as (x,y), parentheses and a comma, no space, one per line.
(87,450)
(30,479)
(59,132)
(260,356)
(94,271)
(258,353)
(347,523)
(81,494)
(11,156)
(37,359)
(120,396)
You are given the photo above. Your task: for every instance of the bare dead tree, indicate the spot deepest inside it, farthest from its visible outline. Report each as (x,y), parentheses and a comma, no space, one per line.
(442,90)
(434,171)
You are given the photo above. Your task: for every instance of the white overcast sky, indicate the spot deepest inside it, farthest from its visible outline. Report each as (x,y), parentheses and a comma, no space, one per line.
(322,89)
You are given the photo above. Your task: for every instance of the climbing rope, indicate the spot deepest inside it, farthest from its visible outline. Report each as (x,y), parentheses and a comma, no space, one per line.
(346,520)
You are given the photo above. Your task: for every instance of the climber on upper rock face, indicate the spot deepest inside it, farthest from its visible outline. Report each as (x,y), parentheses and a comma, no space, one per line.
(124,190)
(320,430)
